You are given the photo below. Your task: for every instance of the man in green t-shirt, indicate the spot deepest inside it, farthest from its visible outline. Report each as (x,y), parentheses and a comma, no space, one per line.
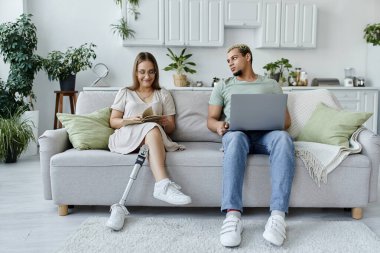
(238,144)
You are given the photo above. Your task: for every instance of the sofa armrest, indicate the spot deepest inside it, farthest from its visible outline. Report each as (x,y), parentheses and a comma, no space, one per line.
(51,142)
(371,148)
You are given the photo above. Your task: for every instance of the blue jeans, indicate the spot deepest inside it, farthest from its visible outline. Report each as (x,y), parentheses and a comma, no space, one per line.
(237,145)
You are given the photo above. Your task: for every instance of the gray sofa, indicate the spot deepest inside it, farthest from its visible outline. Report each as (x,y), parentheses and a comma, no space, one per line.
(99,177)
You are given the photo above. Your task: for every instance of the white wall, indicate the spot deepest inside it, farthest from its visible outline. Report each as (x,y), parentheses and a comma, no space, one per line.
(66,23)
(9,11)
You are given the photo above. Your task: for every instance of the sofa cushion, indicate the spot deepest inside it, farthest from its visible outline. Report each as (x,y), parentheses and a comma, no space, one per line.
(90,101)
(301,104)
(331,126)
(197,154)
(191,116)
(90,131)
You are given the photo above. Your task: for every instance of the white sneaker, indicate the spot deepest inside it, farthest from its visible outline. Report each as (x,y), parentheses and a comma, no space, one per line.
(275,230)
(118,214)
(230,234)
(170,193)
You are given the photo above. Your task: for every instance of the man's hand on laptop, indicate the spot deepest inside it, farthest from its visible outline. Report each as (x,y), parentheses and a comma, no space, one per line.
(222,128)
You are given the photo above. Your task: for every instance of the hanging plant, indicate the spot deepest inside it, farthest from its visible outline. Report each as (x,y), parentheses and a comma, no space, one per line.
(119,3)
(133,10)
(123,30)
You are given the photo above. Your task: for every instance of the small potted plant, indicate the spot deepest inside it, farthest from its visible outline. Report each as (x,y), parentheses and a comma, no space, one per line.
(63,66)
(15,134)
(275,70)
(372,34)
(180,64)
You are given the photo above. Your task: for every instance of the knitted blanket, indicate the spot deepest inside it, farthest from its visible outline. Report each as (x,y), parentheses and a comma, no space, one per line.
(320,159)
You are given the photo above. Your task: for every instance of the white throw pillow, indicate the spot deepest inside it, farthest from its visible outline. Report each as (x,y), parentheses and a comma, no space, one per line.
(301,105)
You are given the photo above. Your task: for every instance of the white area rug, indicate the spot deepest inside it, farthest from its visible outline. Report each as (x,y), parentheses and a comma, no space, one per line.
(154,234)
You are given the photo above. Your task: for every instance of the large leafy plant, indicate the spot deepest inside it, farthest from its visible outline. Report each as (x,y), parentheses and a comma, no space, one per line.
(18,41)
(372,34)
(60,65)
(180,63)
(15,134)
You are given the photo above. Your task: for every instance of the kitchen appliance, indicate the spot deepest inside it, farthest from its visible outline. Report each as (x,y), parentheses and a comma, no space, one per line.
(360,81)
(349,77)
(325,82)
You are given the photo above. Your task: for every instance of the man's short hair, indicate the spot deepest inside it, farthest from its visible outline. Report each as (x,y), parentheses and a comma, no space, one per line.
(243,49)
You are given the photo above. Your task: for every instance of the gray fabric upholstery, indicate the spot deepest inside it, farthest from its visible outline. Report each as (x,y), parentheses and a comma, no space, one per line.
(85,171)
(93,100)
(191,124)
(99,177)
(51,142)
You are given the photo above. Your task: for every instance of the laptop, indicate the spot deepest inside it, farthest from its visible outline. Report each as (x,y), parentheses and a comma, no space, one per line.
(257,111)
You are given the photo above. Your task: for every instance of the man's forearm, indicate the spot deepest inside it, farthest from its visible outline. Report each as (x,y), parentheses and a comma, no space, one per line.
(212,124)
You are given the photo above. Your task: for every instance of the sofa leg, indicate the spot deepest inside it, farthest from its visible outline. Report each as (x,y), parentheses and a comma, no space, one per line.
(63,210)
(357,213)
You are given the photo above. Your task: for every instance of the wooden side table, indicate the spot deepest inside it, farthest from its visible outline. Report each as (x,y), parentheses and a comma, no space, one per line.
(59,104)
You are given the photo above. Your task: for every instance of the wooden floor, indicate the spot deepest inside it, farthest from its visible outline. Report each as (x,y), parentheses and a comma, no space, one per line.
(28,223)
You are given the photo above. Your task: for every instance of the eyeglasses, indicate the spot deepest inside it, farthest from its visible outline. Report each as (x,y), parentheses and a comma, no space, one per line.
(149,72)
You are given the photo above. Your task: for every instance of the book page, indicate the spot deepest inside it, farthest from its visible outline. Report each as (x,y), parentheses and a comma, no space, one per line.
(148,112)
(147,116)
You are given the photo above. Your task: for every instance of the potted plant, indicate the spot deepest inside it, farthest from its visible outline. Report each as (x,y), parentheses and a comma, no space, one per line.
(63,66)
(372,34)
(275,70)
(180,64)
(18,41)
(15,134)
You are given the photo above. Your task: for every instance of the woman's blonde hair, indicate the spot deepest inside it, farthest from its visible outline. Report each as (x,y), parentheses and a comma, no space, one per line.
(145,56)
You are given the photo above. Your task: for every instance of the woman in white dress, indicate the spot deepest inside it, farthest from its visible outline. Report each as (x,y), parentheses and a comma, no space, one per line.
(130,103)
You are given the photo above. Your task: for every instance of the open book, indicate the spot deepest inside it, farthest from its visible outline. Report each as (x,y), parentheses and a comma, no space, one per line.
(147,116)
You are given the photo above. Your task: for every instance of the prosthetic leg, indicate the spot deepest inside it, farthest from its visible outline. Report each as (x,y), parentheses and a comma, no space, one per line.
(143,153)
(119,210)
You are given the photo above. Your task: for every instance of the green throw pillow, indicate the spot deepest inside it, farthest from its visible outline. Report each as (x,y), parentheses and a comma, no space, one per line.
(90,131)
(331,126)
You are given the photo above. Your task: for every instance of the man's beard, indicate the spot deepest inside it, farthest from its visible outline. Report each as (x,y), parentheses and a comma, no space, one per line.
(238,73)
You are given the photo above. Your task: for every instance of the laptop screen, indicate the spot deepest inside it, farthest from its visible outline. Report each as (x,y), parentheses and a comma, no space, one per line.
(258,112)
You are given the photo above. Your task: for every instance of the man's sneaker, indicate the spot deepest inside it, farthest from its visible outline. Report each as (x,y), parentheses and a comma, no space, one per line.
(275,230)
(170,193)
(230,234)
(118,214)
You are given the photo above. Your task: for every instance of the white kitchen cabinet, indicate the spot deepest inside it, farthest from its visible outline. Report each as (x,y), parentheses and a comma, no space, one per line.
(268,35)
(288,24)
(194,22)
(308,25)
(149,26)
(352,99)
(242,13)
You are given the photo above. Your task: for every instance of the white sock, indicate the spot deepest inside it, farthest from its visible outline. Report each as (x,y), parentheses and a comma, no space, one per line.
(237,214)
(277,212)
(161,183)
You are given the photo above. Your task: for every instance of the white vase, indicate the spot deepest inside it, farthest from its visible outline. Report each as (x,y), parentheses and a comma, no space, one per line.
(32,148)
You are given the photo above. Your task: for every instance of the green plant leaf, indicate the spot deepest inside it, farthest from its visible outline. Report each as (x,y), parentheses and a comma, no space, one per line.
(179,62)
(60,65)
(15,135)
(123,29)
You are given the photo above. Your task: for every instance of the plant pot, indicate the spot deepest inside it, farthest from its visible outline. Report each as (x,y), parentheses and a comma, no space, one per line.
(11,156)
(180,80)
(68,84)
(276,76)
